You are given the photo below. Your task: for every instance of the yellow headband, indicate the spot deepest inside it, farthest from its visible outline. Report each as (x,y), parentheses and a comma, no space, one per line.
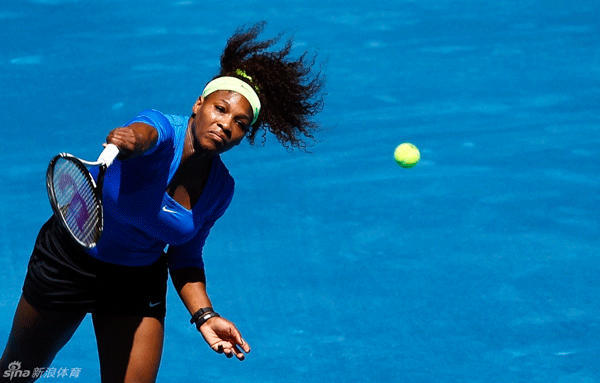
(236,85)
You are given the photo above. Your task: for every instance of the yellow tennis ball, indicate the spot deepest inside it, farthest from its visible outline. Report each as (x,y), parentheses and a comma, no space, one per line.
(407,155)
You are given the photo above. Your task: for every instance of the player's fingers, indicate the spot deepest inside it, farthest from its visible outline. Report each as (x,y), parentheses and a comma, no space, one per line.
(234,350)
(229,350)
(237,337)
(218,348)
(245,346)
(228,353)
(124,139)
(238,354)
(222,347)
(121,134)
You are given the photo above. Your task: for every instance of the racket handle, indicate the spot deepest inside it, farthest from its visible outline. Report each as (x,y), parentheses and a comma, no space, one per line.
(109,154)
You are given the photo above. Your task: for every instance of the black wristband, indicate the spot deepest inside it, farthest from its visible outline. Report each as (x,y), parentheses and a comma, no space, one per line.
(204,318)
(199,313)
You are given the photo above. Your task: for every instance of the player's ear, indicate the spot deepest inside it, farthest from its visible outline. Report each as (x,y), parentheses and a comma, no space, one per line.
(197,105)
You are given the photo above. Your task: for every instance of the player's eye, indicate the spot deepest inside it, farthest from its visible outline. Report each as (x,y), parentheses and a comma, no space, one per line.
(243,124)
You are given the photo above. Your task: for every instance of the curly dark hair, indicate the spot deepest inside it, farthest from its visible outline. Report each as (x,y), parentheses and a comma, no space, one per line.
(288,94)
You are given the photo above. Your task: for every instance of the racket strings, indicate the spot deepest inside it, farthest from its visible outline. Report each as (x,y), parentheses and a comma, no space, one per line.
(76,201)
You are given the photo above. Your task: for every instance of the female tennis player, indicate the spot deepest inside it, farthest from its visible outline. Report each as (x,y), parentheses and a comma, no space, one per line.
(161,197)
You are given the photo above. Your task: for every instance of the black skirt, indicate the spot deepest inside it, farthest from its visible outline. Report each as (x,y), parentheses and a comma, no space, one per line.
(62,276)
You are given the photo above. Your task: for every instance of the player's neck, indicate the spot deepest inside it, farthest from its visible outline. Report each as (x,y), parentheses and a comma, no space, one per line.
(191,156)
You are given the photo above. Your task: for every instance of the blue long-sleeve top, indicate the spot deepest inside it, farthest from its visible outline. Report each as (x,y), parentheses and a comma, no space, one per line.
(141,219)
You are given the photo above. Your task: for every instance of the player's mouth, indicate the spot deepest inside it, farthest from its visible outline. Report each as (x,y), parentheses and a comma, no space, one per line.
(217,137)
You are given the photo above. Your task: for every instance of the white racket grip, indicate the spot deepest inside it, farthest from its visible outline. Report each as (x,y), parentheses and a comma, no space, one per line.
(109,154)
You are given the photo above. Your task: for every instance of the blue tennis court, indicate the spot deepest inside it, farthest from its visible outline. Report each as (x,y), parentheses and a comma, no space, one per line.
(480,264)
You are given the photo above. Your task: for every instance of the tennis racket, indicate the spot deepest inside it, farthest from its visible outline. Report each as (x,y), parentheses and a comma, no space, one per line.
(75,197)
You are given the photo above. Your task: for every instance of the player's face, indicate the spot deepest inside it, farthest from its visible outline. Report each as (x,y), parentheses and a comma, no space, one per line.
(221,122)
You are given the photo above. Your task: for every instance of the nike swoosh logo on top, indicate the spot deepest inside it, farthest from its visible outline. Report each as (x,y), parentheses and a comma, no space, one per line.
(166,209)
(154,304)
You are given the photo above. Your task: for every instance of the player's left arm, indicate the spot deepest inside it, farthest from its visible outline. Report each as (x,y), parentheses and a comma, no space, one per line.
(220,334)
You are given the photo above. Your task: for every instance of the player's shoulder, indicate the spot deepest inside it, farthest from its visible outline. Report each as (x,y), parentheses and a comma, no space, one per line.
(151,117)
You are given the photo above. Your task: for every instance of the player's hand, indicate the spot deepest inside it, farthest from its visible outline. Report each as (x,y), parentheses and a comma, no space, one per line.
(224,338)
(125,139)
(132,140)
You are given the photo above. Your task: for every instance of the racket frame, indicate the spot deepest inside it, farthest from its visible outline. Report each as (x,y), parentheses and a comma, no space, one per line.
(96,189)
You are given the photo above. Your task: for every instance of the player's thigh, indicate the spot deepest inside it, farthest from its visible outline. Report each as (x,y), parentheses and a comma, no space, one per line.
(130,347)
(37,335)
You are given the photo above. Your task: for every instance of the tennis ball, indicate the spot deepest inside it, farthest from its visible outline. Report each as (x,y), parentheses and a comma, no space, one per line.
(407,155)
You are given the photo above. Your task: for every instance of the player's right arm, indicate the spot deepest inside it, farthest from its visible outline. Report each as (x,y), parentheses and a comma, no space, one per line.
(133,140)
